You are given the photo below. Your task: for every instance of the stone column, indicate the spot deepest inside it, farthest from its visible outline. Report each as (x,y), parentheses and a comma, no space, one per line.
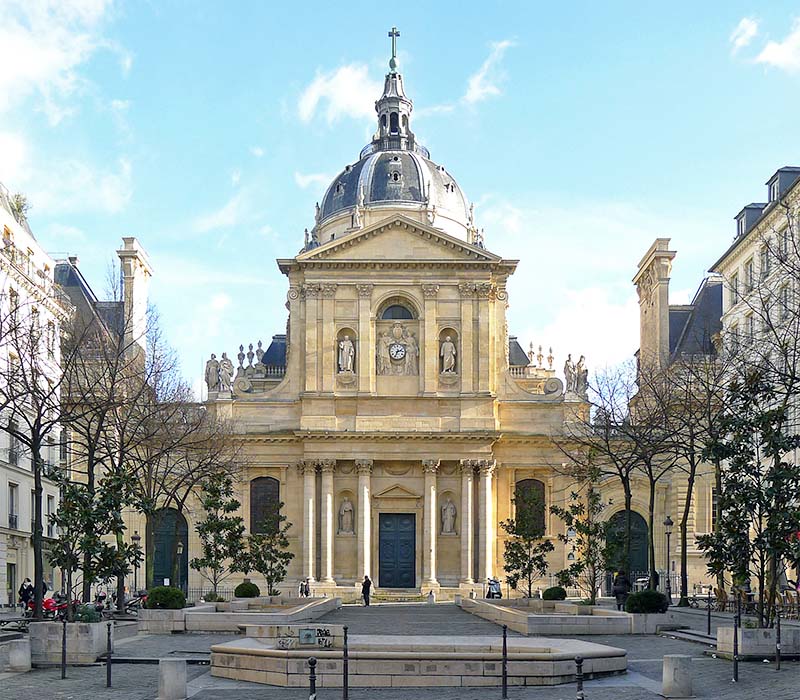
(329,352)
(430,358)
(486,517)
(311,350)
(467,524)
(430,529)
(364,539)
(327,467)
(484,289)
(365,348)
(309,469)
(466,363)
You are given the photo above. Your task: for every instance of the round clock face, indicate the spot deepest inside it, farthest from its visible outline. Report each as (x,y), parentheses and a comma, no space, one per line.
(397,351)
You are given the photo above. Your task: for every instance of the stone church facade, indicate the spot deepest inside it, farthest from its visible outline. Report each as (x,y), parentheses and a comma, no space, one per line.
(395,416)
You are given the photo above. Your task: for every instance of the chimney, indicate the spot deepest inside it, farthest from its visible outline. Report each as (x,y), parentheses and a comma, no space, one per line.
(136,273)
(652,286)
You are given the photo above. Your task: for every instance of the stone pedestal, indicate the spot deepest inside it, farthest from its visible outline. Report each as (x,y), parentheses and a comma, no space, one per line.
(15,656)
(677,679)
(172,679)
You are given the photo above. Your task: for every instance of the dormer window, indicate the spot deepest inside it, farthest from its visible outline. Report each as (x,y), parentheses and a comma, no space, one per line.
(339,188)
(394,123)
(395,176)
(740,225)
(774,190)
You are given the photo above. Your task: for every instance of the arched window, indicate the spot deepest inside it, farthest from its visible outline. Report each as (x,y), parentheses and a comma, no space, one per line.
(265,497)
(396,312)
(529,504)
(394,123)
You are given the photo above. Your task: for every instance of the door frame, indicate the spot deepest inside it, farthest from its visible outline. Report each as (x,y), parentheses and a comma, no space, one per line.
(406,506)
(416,540)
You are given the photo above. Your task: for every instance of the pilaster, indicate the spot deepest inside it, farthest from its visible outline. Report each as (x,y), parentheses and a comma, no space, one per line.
(467,524)
(431,379)
(328,354)
(309,471)
(430,468)
(486,469)
(327,468)
(364,537)
(366,344)
(467,292)
(311,350)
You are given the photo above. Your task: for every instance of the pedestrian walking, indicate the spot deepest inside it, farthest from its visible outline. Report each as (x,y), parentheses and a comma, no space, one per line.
(621,588)
(25,593)
(306,589)
(365,588)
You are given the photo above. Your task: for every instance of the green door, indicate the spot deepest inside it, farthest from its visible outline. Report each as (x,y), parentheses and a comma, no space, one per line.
(171,535)
(638,561)
(397,550)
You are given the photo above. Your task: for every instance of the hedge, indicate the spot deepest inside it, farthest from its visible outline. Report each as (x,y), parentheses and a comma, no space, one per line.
(247,589)
(166,598)
(647,601)
(554,593)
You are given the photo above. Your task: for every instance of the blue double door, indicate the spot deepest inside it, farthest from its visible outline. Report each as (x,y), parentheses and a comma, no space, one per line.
(397,550)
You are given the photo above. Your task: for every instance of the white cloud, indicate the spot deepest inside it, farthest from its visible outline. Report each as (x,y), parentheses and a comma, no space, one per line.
(232,213)
(43,43)
(744,33)
(257,151)
(348,92)
(785,54)
(14,159)
(486,81)
(73,185)
(305,181)
(236,177)
(574,293)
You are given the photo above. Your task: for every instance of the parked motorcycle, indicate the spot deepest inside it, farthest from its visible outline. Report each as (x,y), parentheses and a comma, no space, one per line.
(54,608)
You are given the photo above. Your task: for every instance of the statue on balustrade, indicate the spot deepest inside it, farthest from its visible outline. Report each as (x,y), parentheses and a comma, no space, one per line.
(225,373)
(212,373)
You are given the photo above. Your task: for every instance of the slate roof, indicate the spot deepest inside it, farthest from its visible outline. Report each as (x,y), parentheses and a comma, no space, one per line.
(74,284)
(692,327)
(275,354)
(517,357)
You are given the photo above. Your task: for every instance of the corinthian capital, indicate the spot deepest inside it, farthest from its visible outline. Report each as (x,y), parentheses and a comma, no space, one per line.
(467,467)
(430,466)
(364,466)
(487,467)
(430,290)
(307,466)
(364,290)
(326,465)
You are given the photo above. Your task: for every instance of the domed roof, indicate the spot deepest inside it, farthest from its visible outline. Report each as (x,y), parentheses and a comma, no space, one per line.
(393,171)
(395,176)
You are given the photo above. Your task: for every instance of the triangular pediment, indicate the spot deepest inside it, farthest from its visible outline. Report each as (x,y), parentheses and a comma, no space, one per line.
(398,238)
(397,491)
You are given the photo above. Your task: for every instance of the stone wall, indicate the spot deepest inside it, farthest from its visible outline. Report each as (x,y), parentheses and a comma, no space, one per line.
(85,642)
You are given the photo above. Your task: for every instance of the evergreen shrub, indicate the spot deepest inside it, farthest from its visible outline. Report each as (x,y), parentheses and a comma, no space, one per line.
(554,593)
(166,598)
(647,601)
(247,589)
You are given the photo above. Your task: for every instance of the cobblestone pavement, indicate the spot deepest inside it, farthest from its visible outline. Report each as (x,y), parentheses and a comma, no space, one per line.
(712,677)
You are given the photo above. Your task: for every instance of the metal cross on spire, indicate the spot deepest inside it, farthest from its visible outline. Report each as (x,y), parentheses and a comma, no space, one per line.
(393,61)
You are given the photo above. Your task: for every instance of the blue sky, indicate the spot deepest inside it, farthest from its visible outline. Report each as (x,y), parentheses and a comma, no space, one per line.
(209,130)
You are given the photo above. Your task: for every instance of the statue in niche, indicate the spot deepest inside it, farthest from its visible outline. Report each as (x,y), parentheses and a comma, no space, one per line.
(449,518)
(569,373)
(581,377)
(212,373)
(346,517)
(347,354)
(448,354)
(412,355)
(225,373)
(384,361)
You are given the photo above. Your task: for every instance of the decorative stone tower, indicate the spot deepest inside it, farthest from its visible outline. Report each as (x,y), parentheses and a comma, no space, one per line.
(136,273)
(652,286)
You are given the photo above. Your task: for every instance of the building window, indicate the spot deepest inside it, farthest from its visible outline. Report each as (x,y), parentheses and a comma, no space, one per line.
(734,338)
(785,302)
(529,494)
(774,191)
(51,509)
(714,501)
(749,275)
(13,506)
(51,339)
(13,443)
(740,225)
(784,247)
(734,289)
(396,312)
(265,498)
(751,328)
(765,261)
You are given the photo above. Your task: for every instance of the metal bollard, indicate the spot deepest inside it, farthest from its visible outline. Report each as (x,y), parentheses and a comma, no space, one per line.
(345,669)
(312,679)
(108,657)
(778,640)
(64,649)
(505,661)
(736,622)
(708,622)
(579,678)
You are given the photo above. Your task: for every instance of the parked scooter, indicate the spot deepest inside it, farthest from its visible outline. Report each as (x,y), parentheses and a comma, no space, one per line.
(494,590)
(54,608)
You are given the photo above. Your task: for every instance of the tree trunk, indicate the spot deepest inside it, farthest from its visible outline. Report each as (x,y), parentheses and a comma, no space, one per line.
(651,539)
(718,514)
(626,557)
(38,556)
(687,507)
(120,578)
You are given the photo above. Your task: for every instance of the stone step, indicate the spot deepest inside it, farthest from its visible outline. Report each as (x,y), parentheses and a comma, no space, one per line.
(690,635)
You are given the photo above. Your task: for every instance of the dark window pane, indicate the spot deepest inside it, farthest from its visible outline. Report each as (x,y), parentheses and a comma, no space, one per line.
(396,312)
(531,492)
(265,496)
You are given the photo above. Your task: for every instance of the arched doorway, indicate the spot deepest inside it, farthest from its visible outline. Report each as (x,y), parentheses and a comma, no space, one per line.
(170,535)
(639,560)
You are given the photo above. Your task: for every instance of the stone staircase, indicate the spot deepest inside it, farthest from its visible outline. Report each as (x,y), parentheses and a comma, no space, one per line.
(411,619)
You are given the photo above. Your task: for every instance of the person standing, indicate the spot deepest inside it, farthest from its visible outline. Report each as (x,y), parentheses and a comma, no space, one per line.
(365,588)
(25,593)
(621,588)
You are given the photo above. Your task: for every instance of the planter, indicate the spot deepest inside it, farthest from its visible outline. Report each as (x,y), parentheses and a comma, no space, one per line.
(157,621)
(758,643)
(15,656)
(85,642)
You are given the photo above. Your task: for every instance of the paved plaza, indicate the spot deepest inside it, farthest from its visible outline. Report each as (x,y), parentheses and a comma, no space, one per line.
(139,681)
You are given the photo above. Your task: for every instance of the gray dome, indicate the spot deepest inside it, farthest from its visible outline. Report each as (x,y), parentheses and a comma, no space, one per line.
(394,176)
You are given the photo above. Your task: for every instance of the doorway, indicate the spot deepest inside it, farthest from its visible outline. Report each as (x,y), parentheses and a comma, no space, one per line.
(397,550)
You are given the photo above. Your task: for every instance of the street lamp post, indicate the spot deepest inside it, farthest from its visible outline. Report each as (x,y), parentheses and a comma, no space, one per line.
(136,538)
(180,554)
(668,531)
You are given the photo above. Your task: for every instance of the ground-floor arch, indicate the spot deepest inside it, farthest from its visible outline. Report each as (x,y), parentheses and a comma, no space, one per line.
(170,537)
(639,560)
